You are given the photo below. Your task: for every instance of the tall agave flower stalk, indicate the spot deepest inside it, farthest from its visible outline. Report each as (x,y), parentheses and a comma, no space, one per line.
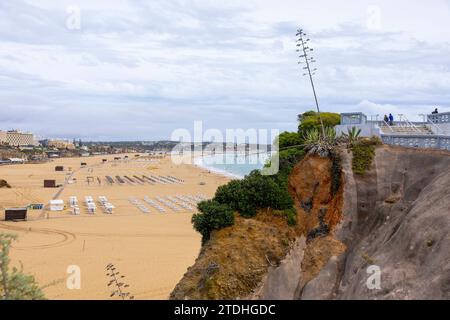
(306,60)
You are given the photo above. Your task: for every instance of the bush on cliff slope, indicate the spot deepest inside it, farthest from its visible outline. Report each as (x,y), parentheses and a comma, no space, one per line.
(363,154)
(246,197)
(254,192)
(213,216)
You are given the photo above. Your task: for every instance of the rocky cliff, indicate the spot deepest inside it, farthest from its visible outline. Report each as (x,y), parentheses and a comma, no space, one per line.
(394,219)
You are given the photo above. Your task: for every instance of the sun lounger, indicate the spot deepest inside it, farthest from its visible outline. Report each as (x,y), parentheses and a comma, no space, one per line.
(91,207)
(73,201)
(154,205)
(179,203)
(139,205)
(76,210)
(169,204)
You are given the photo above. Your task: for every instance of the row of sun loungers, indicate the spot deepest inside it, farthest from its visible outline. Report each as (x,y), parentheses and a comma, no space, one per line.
(176,203)
(142,180)
(139,204)
(155,205)
(181,203)
(90,205)
(169,204)
(106,205)
(73,202)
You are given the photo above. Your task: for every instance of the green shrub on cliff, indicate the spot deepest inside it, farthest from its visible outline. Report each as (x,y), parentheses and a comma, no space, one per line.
(252,193)
(289,139)
(213,216)
(363,155)
(291,215)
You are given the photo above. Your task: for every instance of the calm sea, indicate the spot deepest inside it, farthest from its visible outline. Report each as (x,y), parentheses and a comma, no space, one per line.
(236,165)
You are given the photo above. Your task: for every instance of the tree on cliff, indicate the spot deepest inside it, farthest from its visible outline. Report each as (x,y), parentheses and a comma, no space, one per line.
(310,120)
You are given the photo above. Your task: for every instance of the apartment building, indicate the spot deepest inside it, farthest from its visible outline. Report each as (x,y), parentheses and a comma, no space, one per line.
(17,138)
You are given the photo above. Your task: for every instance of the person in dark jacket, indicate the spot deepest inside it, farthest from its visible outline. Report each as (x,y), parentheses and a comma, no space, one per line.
(386,119)
(391,119)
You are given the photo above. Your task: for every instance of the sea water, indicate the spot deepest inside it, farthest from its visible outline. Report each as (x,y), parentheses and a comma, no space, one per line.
(233,164)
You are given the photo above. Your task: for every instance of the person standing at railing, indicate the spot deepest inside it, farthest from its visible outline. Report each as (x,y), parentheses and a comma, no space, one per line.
(386,119)
(391,119)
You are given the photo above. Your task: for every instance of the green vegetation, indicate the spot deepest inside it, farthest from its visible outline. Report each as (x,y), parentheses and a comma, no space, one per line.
(14,284)
(311,120)
(291,146)
(256,191)
(289,139)
(352,136)
(317,143)
(246,197)
(213,216)
(291,215)
(363,154)
(252,193)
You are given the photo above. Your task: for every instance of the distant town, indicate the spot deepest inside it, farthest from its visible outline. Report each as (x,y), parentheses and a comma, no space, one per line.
(19,147)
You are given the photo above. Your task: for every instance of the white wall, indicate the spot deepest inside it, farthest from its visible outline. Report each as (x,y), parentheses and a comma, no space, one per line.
(367,130)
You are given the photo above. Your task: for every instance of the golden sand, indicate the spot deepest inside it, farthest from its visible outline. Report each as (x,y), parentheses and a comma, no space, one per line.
(152,250)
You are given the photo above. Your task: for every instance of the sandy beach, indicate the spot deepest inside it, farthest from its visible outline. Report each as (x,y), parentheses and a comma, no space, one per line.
(152,250)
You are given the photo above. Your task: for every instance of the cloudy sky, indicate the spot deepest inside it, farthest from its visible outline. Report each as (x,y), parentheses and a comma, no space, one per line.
(136,69)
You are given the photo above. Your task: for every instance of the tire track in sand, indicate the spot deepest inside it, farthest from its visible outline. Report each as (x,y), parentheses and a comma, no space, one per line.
(67,237)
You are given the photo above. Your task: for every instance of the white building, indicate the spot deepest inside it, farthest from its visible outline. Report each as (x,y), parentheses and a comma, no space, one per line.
(17,138)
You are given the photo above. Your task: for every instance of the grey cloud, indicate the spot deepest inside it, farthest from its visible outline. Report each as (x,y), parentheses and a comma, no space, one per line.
(164,64)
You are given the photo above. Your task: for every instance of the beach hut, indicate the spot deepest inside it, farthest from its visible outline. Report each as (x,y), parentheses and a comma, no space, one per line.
(13,214)
(49,183)
(56,205)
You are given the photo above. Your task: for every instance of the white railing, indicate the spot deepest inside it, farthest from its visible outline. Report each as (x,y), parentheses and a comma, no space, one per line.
(437,129)
(412,125)
(388,125)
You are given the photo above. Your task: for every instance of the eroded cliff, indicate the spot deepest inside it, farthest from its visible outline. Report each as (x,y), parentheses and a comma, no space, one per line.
(395,217)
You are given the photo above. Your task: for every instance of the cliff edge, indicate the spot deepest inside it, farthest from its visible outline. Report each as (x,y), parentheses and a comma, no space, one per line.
(390,223)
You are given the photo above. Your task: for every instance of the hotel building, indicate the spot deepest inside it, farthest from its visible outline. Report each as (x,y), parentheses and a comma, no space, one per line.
(17,138)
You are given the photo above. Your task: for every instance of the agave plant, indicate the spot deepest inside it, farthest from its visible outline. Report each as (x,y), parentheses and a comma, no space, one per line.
(320,144)
(352,135)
